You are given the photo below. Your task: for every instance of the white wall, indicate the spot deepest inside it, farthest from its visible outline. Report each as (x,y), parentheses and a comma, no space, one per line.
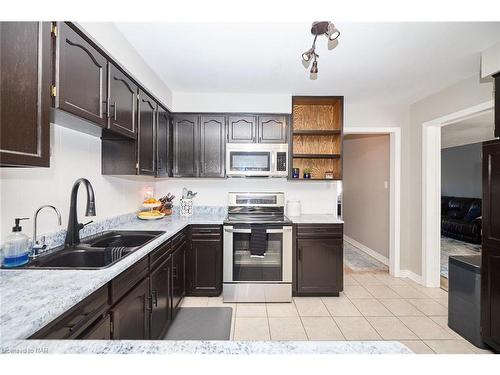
(365,192)
(232,102)
(461,171)
(316,196)
(114,43)
(74,154)
(463,94)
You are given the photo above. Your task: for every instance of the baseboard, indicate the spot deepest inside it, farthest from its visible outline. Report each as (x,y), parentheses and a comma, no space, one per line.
(367,250)
(411,275)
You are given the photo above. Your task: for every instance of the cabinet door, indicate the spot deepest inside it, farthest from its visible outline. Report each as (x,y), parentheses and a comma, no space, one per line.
(130,316)
(242,129)
(205,267)
(25,79)
(147,122)
(490,252)
(163,143)
(212,141)
(122,102)
(161,299)
(178,275)
(101,330)
(497,105)
(80,77)
(272,129)
(319,266)
(185,150)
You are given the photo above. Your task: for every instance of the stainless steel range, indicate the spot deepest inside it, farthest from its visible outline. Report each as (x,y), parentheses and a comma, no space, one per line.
(257,249)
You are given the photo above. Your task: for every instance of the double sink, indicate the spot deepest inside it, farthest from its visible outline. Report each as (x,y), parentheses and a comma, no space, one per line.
(97,252)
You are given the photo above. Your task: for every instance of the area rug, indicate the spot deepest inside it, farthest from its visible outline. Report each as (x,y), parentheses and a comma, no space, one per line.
(450,246)
(358,260)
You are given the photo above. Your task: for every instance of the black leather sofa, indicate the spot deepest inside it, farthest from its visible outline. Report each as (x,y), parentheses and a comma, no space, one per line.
(461,218)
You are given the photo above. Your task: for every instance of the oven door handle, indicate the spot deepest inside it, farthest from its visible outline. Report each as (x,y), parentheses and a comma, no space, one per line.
(285,229)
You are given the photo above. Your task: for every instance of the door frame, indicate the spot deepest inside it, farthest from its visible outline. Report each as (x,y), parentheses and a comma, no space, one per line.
(431,188)
(394,191)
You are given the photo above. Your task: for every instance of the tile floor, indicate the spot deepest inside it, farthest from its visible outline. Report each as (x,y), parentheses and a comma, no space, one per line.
(373,306)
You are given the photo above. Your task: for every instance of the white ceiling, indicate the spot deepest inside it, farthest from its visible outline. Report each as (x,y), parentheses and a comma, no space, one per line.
(396,63)
(473,130)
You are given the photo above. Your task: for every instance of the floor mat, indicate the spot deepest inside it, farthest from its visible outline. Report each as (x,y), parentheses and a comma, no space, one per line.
(450,246)
(201,323)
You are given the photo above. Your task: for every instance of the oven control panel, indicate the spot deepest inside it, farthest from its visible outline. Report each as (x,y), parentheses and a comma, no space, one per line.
(281,161)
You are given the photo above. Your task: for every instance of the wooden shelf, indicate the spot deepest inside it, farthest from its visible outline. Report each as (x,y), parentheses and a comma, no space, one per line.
(316,132)
(316,156)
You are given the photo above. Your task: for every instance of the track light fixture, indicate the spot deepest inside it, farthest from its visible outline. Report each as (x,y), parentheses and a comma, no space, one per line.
(319,28)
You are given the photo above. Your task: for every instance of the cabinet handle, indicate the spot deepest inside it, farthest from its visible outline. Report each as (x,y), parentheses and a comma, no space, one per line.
(80,323)
(300,253)
(174,272)
(155,297)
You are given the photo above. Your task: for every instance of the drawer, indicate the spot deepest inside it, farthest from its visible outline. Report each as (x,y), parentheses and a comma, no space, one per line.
(320,230)
(77,319)
(157,256)
(209,231)
(125,281)
(178,238)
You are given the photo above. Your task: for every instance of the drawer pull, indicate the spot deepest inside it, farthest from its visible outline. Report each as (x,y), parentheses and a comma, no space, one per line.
(79,324)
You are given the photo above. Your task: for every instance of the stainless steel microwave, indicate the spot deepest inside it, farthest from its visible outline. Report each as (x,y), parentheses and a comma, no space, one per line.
(256,160)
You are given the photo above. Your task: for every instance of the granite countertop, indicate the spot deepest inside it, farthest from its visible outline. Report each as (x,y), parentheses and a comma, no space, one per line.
(201,347)
(316,219)
(32,298)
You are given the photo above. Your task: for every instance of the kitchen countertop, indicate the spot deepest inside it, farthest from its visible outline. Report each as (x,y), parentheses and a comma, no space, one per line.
(316,219)
(32,298)
(201,347)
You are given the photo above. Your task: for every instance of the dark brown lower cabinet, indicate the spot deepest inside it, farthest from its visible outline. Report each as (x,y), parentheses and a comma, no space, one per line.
(100,330)
(178,275)
(490,251)
(130,317)
(205,261)
(141,302)
(319,261)
(161,294)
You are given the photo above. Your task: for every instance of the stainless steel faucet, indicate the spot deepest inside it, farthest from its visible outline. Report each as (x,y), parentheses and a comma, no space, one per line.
(40,245)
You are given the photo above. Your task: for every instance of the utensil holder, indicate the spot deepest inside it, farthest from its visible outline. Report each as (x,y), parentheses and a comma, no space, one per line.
(186,207)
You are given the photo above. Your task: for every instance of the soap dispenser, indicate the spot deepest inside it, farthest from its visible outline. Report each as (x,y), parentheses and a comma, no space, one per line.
(16,249)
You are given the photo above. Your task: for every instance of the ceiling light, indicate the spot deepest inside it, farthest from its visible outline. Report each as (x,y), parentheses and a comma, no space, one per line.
(333,33)
(319,28)
(314,69)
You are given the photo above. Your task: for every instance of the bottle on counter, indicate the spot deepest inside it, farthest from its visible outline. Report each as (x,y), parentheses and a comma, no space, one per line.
(16,249)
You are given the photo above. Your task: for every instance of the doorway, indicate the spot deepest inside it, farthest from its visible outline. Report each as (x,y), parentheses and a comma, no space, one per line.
(394,134)
(459,127)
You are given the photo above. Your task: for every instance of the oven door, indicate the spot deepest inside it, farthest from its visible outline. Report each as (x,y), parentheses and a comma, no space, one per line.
(274,267)
(241,162)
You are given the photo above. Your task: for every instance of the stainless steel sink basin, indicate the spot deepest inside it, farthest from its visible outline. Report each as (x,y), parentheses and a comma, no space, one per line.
(97,252)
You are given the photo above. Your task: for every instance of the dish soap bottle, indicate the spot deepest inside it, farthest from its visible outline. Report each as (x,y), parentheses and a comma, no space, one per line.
(16,249)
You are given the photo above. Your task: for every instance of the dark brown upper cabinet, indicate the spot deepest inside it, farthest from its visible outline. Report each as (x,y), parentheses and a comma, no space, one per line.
(163,149)
(212,146)
(272,129)
(25,84)
(185,151)
(122,104)
(147,110)
(242,129)
(80,77)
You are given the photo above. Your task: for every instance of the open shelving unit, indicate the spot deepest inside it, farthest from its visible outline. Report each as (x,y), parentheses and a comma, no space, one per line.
(316,136)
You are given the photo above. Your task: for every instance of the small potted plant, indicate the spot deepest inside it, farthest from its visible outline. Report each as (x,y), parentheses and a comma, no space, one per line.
(307,172)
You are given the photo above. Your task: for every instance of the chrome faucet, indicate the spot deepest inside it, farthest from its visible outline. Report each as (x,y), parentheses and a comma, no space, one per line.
(40,245)
(74,227)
